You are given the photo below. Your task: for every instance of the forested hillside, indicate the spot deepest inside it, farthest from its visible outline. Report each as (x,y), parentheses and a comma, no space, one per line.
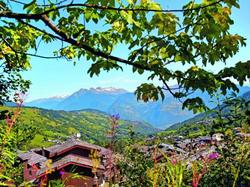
(201,124)
(50,126)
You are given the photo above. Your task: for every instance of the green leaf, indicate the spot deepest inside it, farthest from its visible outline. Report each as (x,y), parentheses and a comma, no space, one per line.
(195,104)
(30,6)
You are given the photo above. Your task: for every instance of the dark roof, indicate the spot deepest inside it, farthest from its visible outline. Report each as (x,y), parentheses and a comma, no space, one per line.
(68,160)
(204,138)
(68,144)
(166,147)
(32,157)
(103,151)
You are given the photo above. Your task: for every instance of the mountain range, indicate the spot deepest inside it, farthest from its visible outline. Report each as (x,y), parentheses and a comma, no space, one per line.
(160,114)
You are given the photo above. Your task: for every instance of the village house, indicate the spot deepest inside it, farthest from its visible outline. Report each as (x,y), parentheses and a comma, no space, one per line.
(168,150)
(63,161)
(218,137)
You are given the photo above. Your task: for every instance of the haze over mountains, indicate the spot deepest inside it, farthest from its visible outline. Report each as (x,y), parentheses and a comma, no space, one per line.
(112,100)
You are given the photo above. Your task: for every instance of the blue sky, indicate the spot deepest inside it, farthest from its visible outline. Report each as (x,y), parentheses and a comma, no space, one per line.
(61,77)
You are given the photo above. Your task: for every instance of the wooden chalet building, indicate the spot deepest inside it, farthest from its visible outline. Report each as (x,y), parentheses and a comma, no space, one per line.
(63,161)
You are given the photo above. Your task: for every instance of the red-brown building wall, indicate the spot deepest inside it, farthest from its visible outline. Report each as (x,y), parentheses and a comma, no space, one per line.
(29,172)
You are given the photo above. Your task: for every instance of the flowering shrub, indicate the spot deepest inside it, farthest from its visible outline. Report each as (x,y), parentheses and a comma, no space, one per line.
(134,168)
(231,168)
(199,173)
(110,165)
(170,172)
(7,153)
(13,136)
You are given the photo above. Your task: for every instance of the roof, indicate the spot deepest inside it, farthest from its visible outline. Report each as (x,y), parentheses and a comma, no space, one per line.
(32,157)
(187,141)
(171,147)
(204,138)
(103,151)
(243,134)
(218,134)
(70,159)
(43,155)
(71,143)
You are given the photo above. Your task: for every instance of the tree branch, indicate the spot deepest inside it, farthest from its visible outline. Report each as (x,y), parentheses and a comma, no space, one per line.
(44,5)
(40,30)
(98,53)
(165,84)
(7,43)
(29,54)
(99,7)
(44,57)
(8,14)
(42,16)
(63,37)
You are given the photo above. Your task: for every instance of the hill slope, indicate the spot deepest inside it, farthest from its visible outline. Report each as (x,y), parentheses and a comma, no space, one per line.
(56,125)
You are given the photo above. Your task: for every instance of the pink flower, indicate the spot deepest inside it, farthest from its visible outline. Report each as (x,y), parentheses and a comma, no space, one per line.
(174,161)
(8,120)
(213,156)
(62,172)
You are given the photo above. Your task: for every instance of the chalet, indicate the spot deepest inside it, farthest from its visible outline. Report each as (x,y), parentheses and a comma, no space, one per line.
(168,150)
(240,133)
(204,139)
(218,137)
(186,144)
(63,161)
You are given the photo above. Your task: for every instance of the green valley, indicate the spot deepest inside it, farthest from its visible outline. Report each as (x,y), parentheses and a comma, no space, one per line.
(51,126)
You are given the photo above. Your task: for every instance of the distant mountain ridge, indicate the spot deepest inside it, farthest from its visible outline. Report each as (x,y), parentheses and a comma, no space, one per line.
(75,101)
(160,114)
(99,99)
(46,103)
